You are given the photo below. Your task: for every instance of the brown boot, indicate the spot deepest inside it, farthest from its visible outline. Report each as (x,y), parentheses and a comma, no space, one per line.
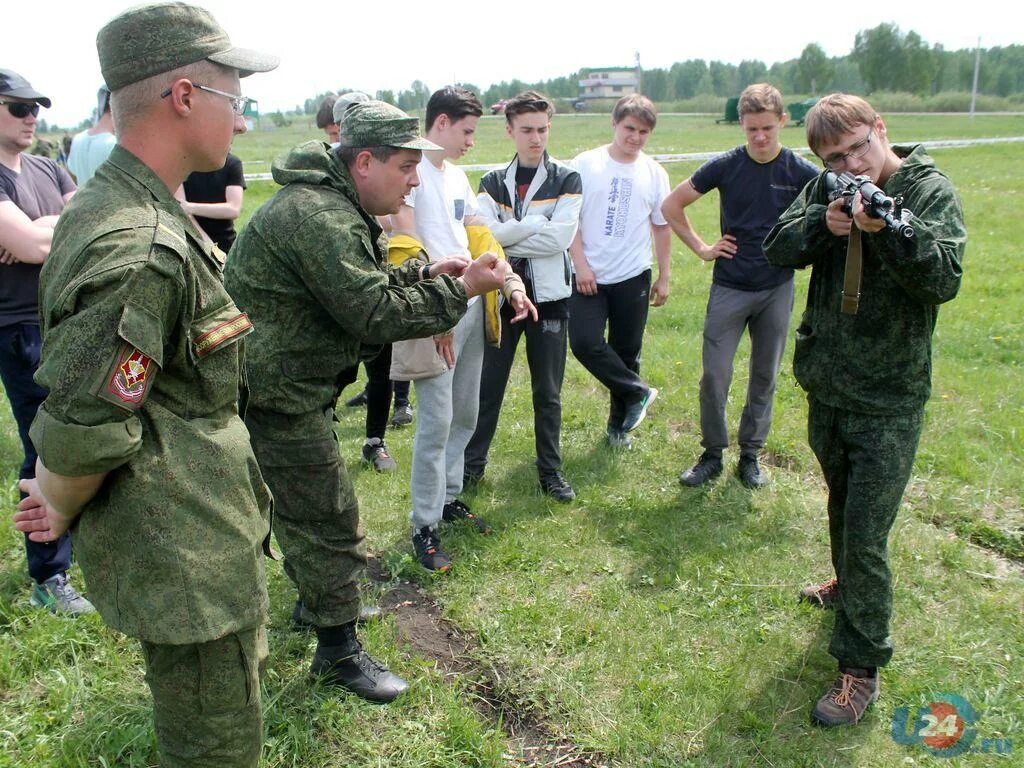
(821,595)
(845,702)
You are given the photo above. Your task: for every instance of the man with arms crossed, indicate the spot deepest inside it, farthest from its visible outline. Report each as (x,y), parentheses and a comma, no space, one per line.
(864,358)
(140,444)
(623,190)
(756,182)
(533,209)
(438,213)
(33,191)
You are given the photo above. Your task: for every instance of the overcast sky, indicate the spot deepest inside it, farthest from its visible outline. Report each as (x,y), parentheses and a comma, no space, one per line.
(326,45)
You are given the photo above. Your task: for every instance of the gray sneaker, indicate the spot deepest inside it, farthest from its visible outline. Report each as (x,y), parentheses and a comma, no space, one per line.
(375,453)
(402,416)
(58,596)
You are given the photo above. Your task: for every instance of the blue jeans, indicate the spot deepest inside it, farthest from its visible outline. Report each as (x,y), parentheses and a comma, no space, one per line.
(19,357)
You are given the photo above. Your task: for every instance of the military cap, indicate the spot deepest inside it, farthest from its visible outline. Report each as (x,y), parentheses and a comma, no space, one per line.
(378,124)
(13,84)
(345,101)
(151,39)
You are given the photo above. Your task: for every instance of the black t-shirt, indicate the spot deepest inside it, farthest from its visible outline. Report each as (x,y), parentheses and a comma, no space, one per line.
(753,196)
(209,188)
(38,190)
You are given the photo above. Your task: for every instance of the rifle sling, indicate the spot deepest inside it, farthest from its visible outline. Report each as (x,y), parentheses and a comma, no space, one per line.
(854,267)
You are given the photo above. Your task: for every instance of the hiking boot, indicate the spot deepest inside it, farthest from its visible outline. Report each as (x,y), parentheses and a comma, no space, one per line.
(637,412)
(707,468)
(356,402)
(402,416)
(376,453)
(555,486)
(426,543)
(750,473)
(367,613)
(850,695)
(350,667)
(58,596)
(619,439)
(455,511)
(821,595)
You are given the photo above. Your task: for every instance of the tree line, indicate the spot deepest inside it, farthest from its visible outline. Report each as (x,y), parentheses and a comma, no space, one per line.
(883,58)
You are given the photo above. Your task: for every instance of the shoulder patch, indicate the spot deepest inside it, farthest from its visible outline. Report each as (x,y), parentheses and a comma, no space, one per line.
(128,380)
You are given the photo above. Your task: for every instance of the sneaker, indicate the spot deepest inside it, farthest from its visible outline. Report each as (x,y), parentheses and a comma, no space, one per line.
(455,511)
(637,412)
(850,695)
(350,667)
(356,402)
(402,416)
(376,453)
(427,544)
(750,472)
(555,486)
(707,468)
(58,596)
(619,439)
(821,595)
(367,613)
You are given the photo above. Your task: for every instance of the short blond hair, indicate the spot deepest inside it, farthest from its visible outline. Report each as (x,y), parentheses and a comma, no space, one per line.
(761,97)
(635,105)
(134,101)
(835,115)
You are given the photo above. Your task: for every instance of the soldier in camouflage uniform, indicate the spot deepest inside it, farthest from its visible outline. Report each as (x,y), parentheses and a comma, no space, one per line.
(867,372)
(310,271)
(140,445)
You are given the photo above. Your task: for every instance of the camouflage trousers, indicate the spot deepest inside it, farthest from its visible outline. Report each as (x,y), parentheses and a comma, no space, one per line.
(866,461)
(206,700)
(316,516)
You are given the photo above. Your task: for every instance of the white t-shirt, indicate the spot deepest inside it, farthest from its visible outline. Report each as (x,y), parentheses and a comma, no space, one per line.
(442,202)
(620,203)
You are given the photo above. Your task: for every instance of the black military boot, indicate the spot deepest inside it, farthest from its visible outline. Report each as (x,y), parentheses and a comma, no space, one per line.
(344,663)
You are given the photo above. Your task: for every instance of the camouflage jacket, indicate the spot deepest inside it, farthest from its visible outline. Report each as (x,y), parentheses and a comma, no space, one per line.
(877,361)
(309,270)
(141,356)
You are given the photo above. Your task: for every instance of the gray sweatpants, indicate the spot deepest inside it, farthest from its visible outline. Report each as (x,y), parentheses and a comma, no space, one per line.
(766,314)
(446,411)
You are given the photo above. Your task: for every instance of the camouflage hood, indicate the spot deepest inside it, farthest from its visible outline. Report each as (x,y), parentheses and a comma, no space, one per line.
(313,163)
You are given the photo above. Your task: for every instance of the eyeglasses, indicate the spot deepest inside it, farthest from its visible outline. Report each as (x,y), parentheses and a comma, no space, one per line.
(858,150)
(238,103)
(21,109)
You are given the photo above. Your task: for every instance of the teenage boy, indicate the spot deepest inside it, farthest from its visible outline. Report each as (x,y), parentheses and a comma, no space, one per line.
(623,190)
(756,183)
(864,357)
(533,208)
(438,212)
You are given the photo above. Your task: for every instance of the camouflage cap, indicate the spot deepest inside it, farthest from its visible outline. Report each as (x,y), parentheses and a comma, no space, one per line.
(151,39)
(345,101)
(378,124)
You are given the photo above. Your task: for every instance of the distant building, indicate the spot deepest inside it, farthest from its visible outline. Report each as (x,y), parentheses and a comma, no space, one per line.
(609,83)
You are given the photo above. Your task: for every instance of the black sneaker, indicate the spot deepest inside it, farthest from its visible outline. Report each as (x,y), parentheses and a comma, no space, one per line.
(350,667)
(356,402)
(637,412)
(555,486)
(750,472)
(427,544)
(455,511)
(376,454)
(707,468)
(402,416)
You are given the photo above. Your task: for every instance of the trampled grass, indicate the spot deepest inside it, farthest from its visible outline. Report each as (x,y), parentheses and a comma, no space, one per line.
(645,624)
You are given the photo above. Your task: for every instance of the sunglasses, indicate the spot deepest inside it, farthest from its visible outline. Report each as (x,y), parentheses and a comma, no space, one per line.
(21,109)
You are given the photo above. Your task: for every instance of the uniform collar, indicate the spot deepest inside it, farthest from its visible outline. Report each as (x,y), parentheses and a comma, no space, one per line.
(138,170)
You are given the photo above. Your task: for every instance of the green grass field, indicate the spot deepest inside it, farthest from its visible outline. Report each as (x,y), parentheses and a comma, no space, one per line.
(646,624)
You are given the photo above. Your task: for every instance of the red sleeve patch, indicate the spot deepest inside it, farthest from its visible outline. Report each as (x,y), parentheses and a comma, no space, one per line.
(130,379)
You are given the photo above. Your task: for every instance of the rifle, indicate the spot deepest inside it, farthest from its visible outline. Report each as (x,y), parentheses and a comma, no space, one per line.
(877,204)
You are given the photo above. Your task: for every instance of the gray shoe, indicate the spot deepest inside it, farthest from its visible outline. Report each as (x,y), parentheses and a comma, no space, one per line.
(376,454)
(637,412)
(58,596)
(402,416)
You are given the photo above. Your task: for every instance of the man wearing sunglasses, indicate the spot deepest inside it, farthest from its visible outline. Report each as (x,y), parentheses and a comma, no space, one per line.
(863,353)
(33,191)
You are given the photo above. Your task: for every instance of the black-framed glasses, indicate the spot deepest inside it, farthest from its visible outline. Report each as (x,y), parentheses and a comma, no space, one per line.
(21,109)
(238,103)
(858,150)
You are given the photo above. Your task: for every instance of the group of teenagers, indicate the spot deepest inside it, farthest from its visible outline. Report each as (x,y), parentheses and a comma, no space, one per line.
(164,441)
